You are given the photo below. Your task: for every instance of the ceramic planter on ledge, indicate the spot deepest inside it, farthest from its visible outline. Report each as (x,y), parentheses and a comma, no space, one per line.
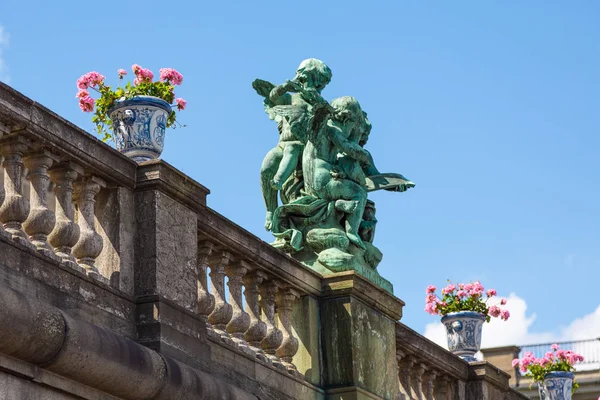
(463,330)
(139,126)
(557,385)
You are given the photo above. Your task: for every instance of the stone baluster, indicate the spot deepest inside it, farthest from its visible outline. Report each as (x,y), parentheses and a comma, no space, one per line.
(15,208)
(240,320)
(89,245)
(66,231)
(206,301)
(289,346)
(41,220)
(405,364)
(417,380)
(428,382)
(222,311)
(442,387)
(274,337)
(257,330)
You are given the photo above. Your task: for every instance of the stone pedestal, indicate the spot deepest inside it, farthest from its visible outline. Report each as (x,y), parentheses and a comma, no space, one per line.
(359,340)
(502,358)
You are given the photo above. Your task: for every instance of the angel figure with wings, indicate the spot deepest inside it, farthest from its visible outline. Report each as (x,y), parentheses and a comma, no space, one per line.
(290,105)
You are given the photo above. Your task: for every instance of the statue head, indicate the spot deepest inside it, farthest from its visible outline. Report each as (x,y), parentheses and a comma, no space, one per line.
(313,73)
(347,110)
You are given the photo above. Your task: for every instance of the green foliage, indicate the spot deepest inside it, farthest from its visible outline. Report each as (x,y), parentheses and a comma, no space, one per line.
(108,97)
(470,303)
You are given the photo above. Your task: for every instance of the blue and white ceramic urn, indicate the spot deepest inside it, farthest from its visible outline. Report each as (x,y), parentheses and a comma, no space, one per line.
(139,126)
(557,385)
(463,330)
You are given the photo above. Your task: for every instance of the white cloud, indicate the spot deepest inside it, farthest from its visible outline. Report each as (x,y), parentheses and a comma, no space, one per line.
(4,40)
(516,331)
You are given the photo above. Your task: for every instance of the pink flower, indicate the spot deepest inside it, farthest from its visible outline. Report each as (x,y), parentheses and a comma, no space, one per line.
(460,294)
(449,289)
(461,286)
(491,292)
(468,286)
(143,75)
(82,93)
(121,73)
(477,288)
(171,75)
(495,311)
(555,346)
(90,79)
(515,362)
(430,288)
(431,308)
(86,104)
(504,315)
(181,104)
(503,302)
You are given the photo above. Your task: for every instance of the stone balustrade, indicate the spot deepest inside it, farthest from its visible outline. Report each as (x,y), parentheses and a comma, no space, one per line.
(48,195)
(134,250)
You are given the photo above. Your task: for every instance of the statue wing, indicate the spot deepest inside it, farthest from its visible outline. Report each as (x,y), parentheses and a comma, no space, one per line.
(263,88)
(290,112)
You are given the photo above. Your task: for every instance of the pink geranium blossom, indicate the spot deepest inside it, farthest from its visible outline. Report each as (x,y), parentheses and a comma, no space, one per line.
(86,104)
(82,93)
(171,75)
(91,79)
(495,311)
(181,103)
(449,289)
(143,75)
(121,73)
(468,297)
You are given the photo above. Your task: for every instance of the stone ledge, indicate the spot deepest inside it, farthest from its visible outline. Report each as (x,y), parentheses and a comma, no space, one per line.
(159,175)
(485,372)
(411,342)
(351,283)
(19,113)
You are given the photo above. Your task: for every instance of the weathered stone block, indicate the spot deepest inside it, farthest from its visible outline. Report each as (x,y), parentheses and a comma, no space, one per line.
(359,339)
(165,249)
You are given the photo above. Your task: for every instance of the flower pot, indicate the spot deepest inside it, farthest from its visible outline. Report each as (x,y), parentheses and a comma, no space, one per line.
(139,126)
(557,385)
(463,331)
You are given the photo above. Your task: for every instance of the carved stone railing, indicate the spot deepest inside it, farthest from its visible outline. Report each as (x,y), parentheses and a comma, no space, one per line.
(134,249)
(426,371)
(52,176)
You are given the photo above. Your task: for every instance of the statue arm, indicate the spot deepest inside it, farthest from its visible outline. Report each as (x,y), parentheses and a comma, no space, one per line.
(345,146)
(278,94)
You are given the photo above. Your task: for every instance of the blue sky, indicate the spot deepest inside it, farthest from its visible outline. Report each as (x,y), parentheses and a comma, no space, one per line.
(492,108)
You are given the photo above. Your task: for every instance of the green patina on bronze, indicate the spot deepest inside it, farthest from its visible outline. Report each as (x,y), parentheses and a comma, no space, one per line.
(322,173)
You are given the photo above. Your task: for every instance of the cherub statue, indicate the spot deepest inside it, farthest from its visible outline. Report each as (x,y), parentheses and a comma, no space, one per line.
(332,165)
(301,93)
